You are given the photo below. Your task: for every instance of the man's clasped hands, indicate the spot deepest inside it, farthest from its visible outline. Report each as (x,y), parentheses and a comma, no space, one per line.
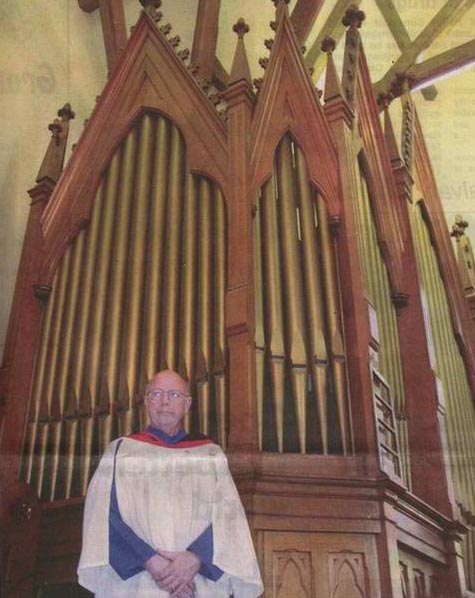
(174,572)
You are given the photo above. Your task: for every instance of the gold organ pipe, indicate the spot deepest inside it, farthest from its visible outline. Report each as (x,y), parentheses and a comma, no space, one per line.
(67,349)
(38,380)
(219,289)
(101,278)
(54,356)
(155,252)
(110,393)
(80,395)
(188,282)
(173,247)
(313,294)
(188,287)
(92,370)
(71,431)
(455,376)
(56,429)
(274,326)
(49,410)
(332,313)
(84,313)
(259,324)
(292,285)
(422,261)
(136,267)
(444,362)
(205,276)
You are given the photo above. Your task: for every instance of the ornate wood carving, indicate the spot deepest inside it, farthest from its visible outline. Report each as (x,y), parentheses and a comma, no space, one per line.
(347,574)
(293,574)
(380,182)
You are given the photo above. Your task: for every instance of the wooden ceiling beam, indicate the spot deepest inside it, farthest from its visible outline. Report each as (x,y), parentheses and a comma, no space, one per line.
(303,17)
(394,22)
(205,38)
(442,64)
(334,28)
(113,26)
(449,14)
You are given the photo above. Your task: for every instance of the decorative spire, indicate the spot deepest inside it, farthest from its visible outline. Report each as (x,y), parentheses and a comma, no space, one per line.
(241,28)
(53,161)
(240,69)
(151,7)
(332,82)
(353,17)
(384,100)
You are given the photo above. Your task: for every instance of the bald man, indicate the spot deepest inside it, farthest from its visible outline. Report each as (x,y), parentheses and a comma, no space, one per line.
(162,517)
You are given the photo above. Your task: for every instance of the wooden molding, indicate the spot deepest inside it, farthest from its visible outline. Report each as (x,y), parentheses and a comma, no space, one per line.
(380,178)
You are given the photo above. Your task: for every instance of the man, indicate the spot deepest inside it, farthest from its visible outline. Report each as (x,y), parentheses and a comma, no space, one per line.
(162,515)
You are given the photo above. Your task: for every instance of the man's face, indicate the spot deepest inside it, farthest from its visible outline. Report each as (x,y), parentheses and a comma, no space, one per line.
(167,412)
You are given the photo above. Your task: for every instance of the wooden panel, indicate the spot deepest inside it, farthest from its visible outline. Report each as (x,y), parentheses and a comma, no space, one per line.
(320,565)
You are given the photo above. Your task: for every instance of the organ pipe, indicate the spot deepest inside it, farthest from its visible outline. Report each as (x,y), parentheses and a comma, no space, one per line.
(293,307)
(313,296)
(274,325)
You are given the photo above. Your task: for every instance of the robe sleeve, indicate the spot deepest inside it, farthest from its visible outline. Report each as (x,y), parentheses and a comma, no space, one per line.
(127,551)
(203,547)
(233,548)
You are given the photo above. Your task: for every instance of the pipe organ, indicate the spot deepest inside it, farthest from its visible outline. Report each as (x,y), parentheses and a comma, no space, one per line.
(275,247)
(123,307)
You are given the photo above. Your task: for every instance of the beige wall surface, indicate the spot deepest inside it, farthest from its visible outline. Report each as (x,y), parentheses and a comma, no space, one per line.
(52,52)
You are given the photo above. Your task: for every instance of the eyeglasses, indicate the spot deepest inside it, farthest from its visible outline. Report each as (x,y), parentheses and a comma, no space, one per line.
(159,393)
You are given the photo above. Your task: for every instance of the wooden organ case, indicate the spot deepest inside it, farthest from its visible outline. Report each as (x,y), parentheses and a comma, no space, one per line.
(276,249)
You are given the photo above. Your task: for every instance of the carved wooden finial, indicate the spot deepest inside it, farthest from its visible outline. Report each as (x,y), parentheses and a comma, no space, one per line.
(66,112)
(459,226)
(53,160)
(241,28)
(328,44)
(354,17)
(240,68)
(151,6)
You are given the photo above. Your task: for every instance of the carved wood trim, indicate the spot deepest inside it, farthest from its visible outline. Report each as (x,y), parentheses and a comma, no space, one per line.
(380,178)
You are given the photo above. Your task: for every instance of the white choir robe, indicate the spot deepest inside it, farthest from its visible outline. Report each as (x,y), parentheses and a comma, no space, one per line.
(168,495)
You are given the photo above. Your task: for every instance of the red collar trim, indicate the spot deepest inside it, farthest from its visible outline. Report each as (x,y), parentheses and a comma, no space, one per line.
(150,439)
